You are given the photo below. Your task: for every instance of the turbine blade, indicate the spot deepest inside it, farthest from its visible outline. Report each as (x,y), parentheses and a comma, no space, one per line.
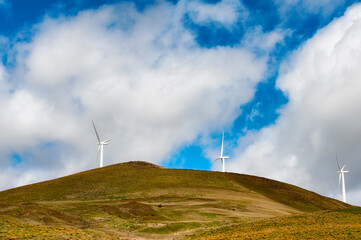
(338,163)
(343,167)
(108,140)
(222,144)
(339,181)
(96,132)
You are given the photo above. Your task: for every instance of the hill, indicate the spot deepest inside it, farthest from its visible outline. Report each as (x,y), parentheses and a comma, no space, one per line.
(141,200)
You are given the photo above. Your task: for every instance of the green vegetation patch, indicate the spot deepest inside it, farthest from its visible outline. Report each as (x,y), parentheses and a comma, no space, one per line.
(208,215)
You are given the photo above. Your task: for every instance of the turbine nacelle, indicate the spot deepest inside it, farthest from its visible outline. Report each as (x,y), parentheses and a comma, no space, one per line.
(106,142)
(341,170)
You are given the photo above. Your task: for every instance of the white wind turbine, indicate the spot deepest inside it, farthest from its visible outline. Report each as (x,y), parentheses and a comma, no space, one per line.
(341,177)
(101,145)
(222,158)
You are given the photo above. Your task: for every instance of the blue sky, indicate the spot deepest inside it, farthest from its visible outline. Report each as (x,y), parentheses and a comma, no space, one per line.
(164,79)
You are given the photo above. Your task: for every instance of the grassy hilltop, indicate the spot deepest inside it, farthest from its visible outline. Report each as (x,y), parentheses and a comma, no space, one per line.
(139,200)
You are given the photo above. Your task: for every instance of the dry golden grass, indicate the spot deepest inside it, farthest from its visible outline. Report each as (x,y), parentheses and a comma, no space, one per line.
(335,224)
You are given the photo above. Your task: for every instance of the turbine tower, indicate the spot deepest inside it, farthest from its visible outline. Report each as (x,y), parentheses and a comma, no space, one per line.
(341,178)
(222,158)
(101,146)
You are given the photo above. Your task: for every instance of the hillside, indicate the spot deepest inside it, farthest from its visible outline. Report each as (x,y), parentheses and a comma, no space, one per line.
(336,224)
(142,200)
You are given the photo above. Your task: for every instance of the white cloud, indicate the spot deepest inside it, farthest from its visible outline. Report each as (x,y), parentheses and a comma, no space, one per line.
(258,40)
(322,117)
(305,7)
(225,12)
(3,77)
(140,76)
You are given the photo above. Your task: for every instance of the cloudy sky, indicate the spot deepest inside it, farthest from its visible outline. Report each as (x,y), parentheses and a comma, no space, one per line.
(164,79)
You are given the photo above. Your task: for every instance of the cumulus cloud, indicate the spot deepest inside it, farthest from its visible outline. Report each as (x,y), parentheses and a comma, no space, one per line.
(322,82)
(140,76)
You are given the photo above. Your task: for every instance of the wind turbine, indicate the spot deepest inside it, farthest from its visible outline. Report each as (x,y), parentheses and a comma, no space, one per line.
(222,158)
(341,177)
(101,145)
